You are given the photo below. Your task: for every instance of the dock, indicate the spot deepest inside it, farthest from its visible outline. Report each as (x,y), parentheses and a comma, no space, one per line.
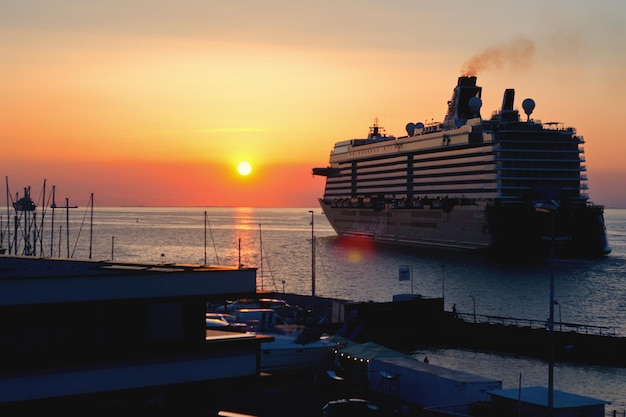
(103,338)
(421,322)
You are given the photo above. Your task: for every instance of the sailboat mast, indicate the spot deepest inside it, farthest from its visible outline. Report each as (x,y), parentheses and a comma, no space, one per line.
(43,214)
(261,254)
(91,227)
(312,253)
(8,215)
(54,206)
(26,232)
(205,227)
(67,225)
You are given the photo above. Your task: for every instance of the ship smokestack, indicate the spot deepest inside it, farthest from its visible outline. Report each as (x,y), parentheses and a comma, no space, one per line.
(507,100)
(467,81)
(508,114)
(459,109)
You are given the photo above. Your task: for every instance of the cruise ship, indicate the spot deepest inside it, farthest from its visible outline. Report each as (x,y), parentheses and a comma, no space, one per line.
(508,185)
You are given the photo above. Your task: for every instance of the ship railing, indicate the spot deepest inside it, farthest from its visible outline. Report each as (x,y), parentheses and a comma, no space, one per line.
(539,324)
(555,126)
(591,204)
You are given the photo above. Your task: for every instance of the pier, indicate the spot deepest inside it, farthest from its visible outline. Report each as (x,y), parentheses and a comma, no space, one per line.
(539,324)
(421,322)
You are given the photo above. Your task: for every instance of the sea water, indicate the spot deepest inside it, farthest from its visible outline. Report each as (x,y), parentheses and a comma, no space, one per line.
(278,241)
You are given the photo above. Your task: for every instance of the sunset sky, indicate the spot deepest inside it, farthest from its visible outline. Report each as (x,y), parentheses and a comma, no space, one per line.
(152,102)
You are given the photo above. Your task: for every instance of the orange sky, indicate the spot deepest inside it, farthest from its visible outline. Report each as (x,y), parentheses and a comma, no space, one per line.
(147,103)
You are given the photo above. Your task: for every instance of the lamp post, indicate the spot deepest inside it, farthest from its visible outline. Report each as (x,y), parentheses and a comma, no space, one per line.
(551,208)
(312,254)
(560,319)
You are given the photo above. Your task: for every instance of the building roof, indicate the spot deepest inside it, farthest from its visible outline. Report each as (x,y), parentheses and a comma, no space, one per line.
(369,350)
(411,364)
(28,280)
(539,396)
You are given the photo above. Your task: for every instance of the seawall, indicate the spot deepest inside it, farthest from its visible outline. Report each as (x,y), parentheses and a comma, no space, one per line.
(415,322)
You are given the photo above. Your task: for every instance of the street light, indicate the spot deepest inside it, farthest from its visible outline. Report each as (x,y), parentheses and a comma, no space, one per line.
(312,254)
(560,320)
(550,207)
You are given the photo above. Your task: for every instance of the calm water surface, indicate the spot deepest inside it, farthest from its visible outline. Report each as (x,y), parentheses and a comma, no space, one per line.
(588,291)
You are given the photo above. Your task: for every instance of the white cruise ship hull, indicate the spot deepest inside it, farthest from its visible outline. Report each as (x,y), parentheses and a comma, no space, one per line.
(463,228)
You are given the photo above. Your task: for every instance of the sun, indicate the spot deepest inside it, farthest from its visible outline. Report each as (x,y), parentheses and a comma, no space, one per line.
(244,168)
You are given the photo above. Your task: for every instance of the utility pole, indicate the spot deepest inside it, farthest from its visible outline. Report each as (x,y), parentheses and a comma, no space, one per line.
(312,254)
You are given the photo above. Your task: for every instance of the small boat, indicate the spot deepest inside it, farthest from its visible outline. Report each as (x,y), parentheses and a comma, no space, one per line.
(227,322)
(290,314)
(24,204)
(294,347)
(251,303)
(297,350)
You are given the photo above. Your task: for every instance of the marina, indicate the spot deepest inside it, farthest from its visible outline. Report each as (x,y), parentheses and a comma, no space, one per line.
(158,305)
(349,270)
(313,209)
(419,322)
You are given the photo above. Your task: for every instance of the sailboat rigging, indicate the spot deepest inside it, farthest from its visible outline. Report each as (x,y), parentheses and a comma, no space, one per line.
(27,236)
(261,250)
(207,225)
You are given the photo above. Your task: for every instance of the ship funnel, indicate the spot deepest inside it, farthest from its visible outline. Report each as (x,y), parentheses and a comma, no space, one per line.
(507,100)
(508,114)
(459,107)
